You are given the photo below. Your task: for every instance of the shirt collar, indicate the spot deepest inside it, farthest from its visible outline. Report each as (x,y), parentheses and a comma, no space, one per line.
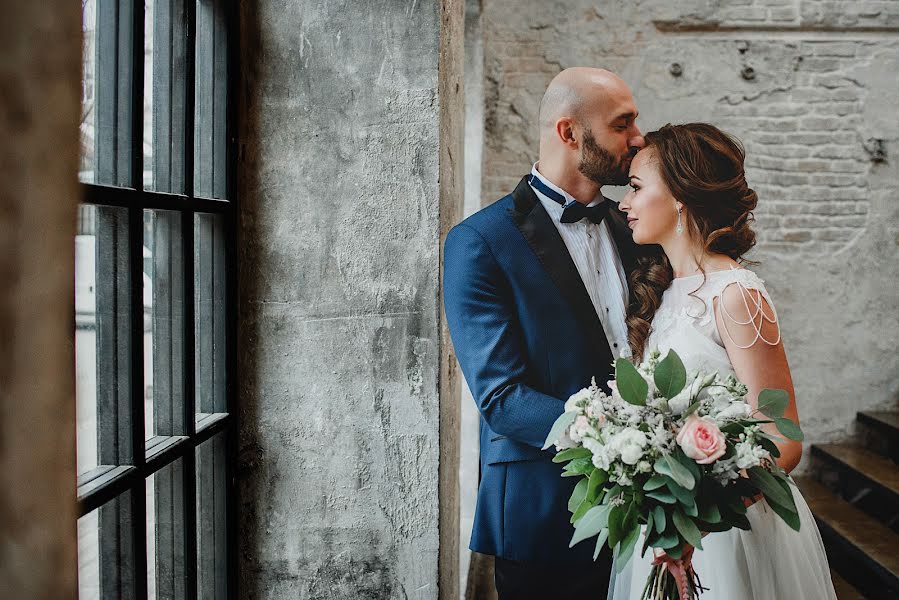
(552,206)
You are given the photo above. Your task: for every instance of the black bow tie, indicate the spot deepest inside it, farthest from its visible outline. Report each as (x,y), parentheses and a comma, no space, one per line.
(573,211)
(576,211)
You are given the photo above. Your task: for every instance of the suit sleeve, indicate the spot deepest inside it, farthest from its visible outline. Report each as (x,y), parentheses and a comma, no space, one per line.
(488,342)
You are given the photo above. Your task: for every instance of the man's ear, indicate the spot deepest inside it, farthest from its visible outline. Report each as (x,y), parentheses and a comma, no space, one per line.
(566,133)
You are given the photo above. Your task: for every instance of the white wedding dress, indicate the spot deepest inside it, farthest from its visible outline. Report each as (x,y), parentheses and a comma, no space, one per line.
(772,561)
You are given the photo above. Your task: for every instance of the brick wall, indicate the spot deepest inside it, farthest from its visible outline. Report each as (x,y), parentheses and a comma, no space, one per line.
(811,88)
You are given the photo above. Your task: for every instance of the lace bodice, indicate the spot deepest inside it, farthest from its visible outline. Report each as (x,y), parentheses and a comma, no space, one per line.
(685,320)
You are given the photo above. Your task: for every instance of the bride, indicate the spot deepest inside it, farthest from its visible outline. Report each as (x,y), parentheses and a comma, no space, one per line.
(689,195)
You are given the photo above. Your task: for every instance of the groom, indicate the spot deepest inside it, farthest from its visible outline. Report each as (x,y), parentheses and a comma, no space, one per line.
(535,294)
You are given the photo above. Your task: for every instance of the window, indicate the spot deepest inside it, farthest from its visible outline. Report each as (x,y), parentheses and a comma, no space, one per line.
(154,301)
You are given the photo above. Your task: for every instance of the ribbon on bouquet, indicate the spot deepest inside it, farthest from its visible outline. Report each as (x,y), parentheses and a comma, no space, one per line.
(680,569)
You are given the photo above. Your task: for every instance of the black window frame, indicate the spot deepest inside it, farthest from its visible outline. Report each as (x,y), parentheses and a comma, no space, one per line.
(118,488)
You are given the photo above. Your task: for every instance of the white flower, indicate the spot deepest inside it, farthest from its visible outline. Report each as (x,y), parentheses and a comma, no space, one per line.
(749,455)
(573,402)
(629,443)
(735,410)
(644,467)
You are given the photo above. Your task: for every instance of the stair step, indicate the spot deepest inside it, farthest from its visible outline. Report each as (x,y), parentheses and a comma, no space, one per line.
(844,589)
(884,425)
(879,470)
(864,550)
(864,478)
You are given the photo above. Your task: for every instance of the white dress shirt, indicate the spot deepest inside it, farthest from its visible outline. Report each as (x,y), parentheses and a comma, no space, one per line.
(595,255)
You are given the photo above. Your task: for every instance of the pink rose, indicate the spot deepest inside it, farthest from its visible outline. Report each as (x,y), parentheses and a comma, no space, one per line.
(701,440)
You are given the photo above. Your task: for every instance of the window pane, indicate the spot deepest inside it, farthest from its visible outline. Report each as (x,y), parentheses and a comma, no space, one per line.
(209,290)
(166,577)
(88,165)
(113,85)
(211,89)
(165,55)
(102,337)
(105,558)
(212,542)
(163,274)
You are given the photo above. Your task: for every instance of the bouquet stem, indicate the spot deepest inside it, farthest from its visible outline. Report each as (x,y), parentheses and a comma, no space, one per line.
(672,580)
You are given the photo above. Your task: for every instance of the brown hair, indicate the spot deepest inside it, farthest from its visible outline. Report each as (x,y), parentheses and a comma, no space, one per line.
(702,167)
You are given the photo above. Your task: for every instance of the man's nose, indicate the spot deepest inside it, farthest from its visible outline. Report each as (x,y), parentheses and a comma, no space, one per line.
(637,140)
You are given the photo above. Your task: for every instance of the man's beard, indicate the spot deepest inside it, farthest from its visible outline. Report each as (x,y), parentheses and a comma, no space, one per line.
(600,166)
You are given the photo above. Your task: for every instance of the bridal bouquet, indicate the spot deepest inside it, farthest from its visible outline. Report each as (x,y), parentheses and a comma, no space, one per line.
(676,454)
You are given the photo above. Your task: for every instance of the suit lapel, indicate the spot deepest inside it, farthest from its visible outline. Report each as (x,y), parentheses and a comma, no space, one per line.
(541,235)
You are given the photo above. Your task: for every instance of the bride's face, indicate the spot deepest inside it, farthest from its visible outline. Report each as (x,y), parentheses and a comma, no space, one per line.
(650,207)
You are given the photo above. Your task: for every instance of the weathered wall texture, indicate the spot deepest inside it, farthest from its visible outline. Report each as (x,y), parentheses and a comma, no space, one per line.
(347,125)
(811,88)
(40,86)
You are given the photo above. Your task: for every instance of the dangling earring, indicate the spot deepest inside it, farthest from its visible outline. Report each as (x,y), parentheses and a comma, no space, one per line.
(680,226)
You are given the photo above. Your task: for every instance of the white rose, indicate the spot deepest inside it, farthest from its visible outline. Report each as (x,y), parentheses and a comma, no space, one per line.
(630,443)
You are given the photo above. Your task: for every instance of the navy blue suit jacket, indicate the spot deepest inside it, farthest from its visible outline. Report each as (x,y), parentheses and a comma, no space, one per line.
(526,336)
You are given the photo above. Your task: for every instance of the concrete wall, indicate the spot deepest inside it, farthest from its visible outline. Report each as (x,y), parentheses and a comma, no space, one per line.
(350,176)
(811,88)
(38,195)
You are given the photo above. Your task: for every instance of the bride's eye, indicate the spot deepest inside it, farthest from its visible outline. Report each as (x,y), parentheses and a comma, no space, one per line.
(633,187)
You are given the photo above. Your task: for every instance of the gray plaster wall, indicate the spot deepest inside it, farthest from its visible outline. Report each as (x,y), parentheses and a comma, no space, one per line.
(351,130)
(40,96)
(810,87)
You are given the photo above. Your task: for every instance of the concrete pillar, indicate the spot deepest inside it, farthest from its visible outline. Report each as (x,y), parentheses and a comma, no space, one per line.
(39,112)
(350,174)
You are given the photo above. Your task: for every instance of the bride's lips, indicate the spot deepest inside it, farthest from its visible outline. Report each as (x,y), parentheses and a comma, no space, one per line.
(631,221)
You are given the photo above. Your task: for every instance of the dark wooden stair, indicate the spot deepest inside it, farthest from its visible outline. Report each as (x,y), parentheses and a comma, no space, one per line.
(854,495)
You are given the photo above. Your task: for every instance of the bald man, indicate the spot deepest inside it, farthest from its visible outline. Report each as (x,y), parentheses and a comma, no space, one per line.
(535,291)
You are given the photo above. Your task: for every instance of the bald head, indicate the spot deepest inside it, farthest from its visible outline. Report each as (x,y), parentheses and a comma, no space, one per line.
(577,91)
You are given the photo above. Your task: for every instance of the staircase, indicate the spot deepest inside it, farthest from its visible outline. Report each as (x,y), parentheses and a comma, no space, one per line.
(854,496)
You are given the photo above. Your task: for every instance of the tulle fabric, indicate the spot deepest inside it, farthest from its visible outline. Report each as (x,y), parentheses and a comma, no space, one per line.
(772,561)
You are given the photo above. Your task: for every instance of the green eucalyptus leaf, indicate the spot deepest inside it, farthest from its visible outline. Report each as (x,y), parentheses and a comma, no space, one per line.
(581,510)
(790,517)
(663,496)
(577,495)
(710,513)
(687,528)
(594,486)
(559,427)
(670,466)
(670,375)
(616,525)
(600,542)
(768,485)
(789,429)
(579,466)
(773,403)
(631,385)
(655,482)
(571,454)
(590,524)
(661,520)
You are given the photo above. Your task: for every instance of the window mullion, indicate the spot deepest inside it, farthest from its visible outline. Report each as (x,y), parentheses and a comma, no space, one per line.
(138,521)
(187,232)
